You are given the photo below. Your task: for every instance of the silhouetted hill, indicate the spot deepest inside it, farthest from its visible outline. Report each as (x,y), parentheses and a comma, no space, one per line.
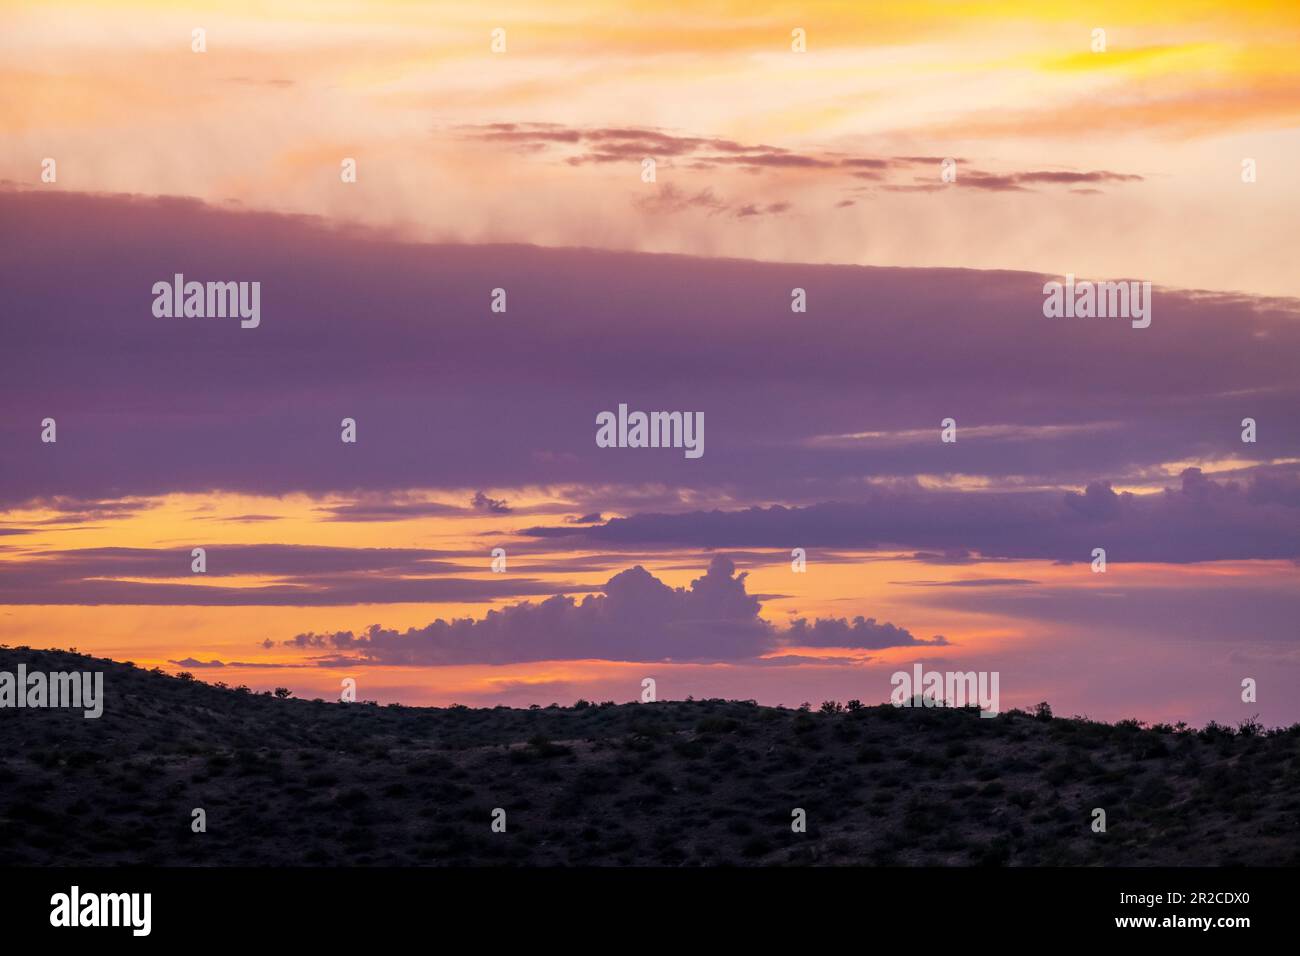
(683,782)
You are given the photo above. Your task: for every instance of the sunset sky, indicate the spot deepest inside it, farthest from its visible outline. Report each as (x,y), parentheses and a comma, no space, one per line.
(774,170)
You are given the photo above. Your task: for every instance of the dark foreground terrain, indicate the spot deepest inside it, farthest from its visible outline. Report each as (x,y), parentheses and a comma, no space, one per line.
(291,782)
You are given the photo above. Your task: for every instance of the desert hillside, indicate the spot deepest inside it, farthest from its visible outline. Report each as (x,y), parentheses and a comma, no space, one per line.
(705,782)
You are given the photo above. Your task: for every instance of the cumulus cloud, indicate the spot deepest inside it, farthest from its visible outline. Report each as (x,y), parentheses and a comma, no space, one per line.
(636,618)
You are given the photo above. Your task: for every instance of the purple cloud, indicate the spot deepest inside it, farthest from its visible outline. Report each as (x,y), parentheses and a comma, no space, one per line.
(1200,520)
(301,575)
(636,618)
(147,406)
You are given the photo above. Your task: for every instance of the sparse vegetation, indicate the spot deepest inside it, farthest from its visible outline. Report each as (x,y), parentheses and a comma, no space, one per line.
(287,781)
